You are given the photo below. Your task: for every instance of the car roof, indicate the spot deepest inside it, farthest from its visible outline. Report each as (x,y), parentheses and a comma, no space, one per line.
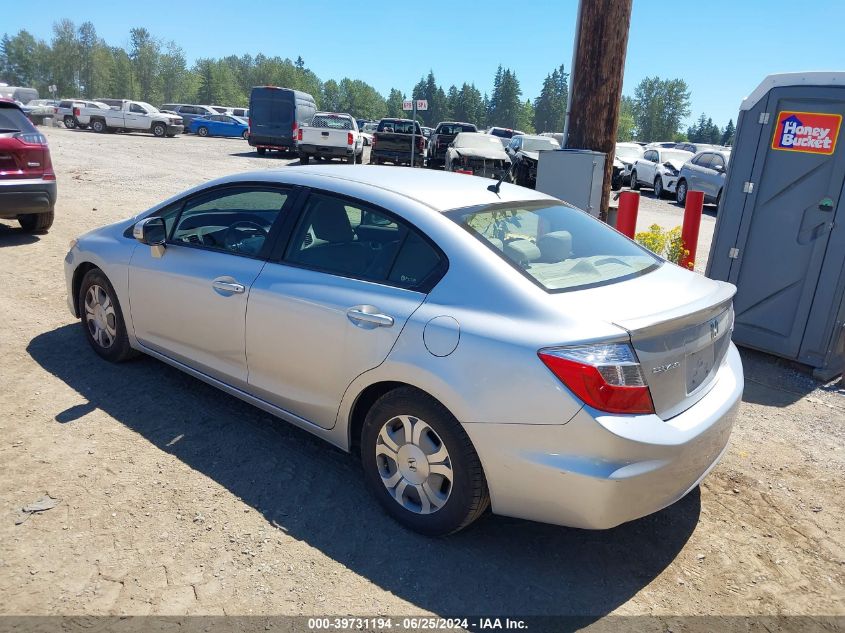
(439,190)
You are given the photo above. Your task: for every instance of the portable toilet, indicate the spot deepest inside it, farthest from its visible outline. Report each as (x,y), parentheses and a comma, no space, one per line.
(780,229)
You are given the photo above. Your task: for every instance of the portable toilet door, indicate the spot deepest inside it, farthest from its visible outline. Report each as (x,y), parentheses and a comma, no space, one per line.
(780,231)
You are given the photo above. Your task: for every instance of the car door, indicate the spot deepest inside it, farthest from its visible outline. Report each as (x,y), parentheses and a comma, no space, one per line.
(189,304)
(646,169)
(331,304)
(715,176)
(702,169)
(136,118)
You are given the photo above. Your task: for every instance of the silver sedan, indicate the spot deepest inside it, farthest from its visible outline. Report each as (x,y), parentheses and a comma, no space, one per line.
(478,348)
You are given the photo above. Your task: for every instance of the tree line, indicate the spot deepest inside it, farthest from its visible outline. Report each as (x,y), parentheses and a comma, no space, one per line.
(81,64)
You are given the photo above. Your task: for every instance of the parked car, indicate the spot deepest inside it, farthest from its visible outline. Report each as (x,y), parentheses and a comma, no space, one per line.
(478,155)
(504,134)
(393,140)
(367,132)
(275,114)
(189,112)
(427,132)
(658,168)
(706,172)
(478,347)
(18,93)
(69,109)
(220,125)
(628,153)
(238,112)
(27,180)
(524,151)
(40,109)
(443,135)
(132,116)
(330,135)
(112,103)
(660,144)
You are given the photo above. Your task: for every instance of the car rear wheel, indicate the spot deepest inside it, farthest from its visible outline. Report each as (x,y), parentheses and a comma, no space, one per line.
(635,184)
(245,135)
(420,464)
(203,131)
(304,159)
(261,151)
(681,192)
(350,160)
(102,318)
(36,222)
(658,187)
(69,122)
(98,125)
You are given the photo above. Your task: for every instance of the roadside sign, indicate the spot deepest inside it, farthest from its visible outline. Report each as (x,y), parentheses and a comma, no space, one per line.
(422,104)
(407,105)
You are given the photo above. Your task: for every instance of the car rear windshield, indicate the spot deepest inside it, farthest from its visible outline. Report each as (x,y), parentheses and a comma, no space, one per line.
(539,144)
(455,129)
(332,122)
(399,127)
(13,120)
(556,246)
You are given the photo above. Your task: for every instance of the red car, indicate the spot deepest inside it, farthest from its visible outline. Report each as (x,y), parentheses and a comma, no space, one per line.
(27,181)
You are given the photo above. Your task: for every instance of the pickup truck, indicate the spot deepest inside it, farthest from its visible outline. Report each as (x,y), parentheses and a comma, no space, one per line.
(392,142)
(445,133)
(330,135)
(131,116)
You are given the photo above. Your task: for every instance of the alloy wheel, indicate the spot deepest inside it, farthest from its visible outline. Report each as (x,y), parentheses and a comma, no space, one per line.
(414,464)
(100,316)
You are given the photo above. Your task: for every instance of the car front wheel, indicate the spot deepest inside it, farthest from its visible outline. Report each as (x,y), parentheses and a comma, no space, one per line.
(635,184)
(681,192)
(102,318)
(658,187)
(420,464)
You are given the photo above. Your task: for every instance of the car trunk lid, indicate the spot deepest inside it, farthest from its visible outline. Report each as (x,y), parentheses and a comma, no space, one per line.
(21,159)
(680,335)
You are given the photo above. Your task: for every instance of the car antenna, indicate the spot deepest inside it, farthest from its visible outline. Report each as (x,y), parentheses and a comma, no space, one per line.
(495,188)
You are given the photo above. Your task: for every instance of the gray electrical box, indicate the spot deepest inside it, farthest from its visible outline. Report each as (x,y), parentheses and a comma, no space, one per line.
(573,175)
(780,230)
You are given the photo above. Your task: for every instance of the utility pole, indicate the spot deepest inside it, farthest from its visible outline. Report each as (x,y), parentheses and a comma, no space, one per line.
(595,89)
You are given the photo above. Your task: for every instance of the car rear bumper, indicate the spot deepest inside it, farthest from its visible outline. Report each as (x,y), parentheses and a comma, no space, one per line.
(397,157)
(25,195)
(325,150)
(598,470)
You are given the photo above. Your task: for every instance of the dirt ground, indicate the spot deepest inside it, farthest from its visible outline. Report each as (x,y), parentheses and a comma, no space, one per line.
(178,499)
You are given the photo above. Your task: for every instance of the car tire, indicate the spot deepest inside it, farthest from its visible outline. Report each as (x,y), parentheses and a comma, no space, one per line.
(260,151)
(681,192)
(400,474)
(70,122)
(635,184)
(350,160)
(159,130)
(202,131)
(102,318)
(36,222)
(245,135)
(304,159)
(718,200)
(99,126)
(359,158)
(658,187)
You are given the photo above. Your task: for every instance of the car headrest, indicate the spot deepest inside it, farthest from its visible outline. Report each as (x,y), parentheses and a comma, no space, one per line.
(555,246)
(522,252)
(382,234)
(330,222)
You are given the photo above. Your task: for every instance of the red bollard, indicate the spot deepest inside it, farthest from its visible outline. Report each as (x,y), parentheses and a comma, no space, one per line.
(692,223)
(626,214)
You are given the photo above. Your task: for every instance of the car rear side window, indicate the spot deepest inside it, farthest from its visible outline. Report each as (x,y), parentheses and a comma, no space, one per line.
(237,220)
(556,246)
(351,239)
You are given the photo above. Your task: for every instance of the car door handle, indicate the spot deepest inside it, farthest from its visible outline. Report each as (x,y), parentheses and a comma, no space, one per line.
(360,314)
(228,286)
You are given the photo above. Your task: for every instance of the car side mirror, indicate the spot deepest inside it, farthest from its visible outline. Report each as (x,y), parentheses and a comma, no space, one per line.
(150,231)
(720,169)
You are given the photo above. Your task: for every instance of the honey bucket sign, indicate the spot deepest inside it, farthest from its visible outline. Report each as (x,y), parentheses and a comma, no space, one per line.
(807,132)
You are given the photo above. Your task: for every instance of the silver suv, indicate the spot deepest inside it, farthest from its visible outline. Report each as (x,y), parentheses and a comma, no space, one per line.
(705,172)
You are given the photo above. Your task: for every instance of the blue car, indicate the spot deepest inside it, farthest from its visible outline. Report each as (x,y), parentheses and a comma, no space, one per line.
(219,125)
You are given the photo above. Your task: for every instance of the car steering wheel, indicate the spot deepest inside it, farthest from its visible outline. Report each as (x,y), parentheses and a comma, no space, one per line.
(232,239)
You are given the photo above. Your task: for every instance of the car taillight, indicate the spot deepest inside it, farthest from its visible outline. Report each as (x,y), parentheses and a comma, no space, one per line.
(349,139)
(294,128)
(299,134)
(76,112)
(373,142)
(606,376)
(420,143)
(31,138)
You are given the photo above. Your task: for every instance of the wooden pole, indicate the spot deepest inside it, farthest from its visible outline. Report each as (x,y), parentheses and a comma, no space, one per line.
(596,90)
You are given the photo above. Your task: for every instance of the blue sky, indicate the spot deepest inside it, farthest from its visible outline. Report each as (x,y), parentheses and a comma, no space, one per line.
(722,48)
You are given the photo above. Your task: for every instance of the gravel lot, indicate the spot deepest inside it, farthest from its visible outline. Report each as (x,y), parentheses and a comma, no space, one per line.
(176,498)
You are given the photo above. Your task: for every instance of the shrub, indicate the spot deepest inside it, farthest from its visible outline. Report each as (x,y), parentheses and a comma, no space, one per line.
(665,244)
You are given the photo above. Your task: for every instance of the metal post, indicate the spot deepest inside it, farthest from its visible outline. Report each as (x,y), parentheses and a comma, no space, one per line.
(626,216)
(413,130)
(692,223)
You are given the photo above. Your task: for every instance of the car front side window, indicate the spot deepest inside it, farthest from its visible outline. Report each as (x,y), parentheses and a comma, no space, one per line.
(237,220)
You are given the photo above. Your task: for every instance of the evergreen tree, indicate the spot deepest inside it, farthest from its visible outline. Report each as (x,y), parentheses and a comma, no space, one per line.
(550,106)
(728,134)
(394,104)
(625,126)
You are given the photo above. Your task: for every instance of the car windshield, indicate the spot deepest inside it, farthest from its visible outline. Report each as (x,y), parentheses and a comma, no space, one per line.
(477,141)
(332,122)
(678,155)
(557,246)
(501,133)
(629,153)
(539,144)
(370,127)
